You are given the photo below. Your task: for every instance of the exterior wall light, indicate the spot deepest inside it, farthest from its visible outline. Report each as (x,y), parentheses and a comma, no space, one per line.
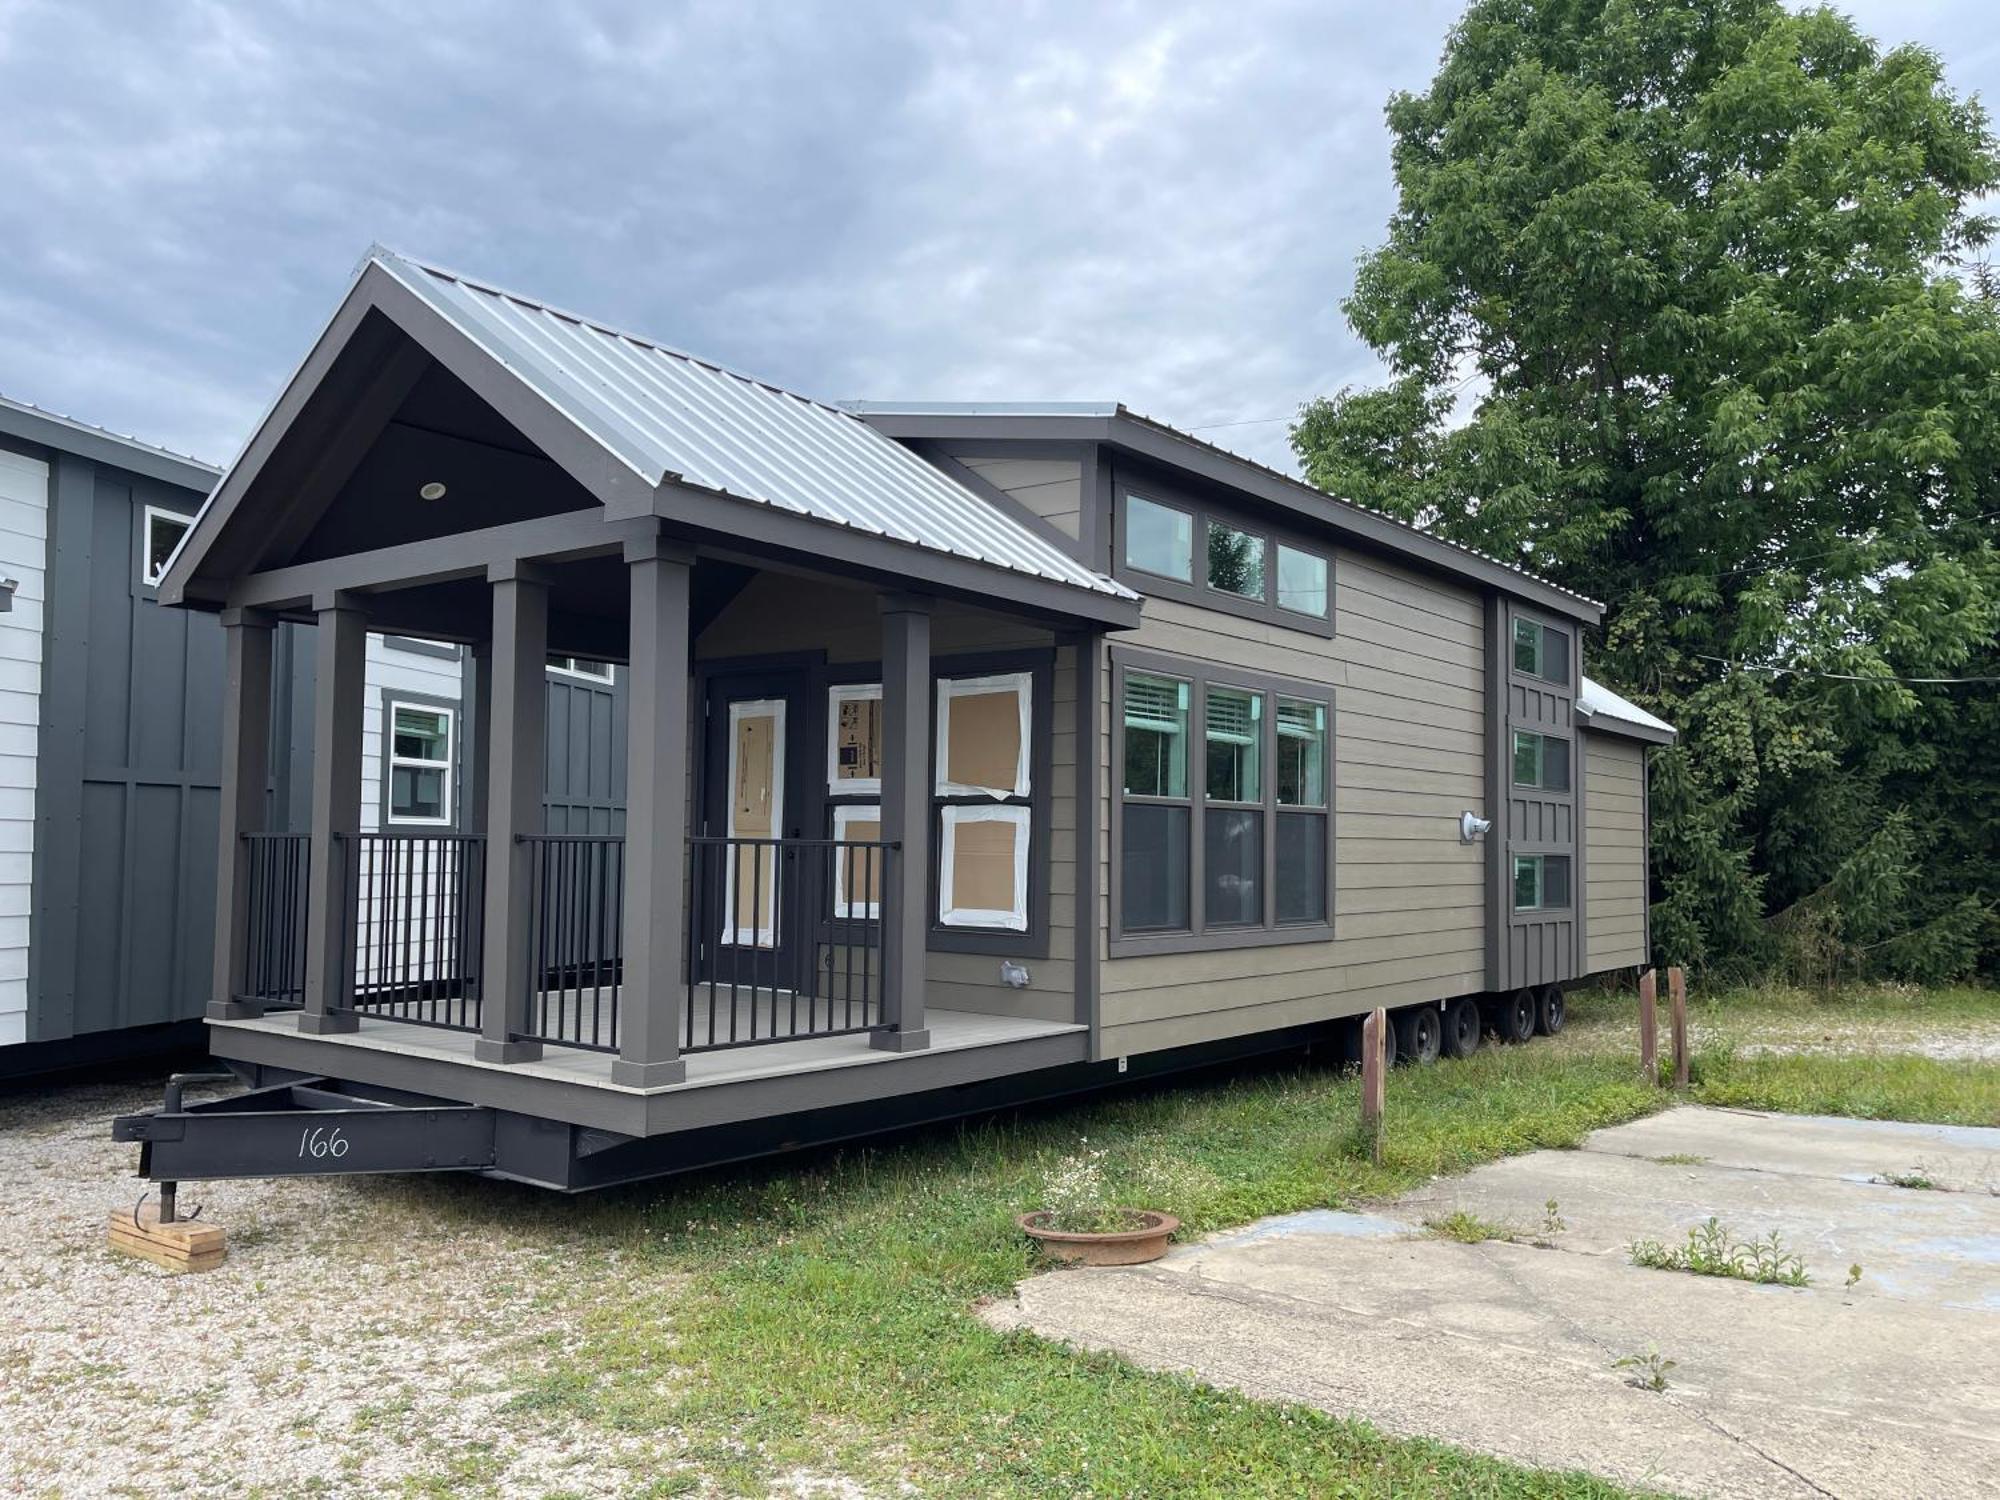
(1471,826)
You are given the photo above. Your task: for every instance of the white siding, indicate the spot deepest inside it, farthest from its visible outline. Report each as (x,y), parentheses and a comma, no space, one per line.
(24,534)
(393,669)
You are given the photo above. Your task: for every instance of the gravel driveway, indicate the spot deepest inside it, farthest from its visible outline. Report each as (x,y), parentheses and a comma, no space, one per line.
(364,1336)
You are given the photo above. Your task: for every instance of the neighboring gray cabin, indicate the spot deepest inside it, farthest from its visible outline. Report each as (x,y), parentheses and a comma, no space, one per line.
(964,753)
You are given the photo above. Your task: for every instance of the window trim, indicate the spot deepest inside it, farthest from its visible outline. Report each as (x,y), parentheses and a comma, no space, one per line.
(984,919)
(845,911)
(603,679)
(387,818)
(1197,591)
(1541,908)
(147,577)
(1516,617)
(836,694)
(1200,936)
(1543,741)
(1022,685)
(1037,664)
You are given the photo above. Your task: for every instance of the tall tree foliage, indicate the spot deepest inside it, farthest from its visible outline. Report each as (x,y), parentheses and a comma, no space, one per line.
(1694,265)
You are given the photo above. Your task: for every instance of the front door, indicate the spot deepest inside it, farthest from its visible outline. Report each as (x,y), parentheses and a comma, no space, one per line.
(753,797)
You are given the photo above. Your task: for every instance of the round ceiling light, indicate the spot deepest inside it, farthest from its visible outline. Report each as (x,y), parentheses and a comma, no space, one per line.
(432,491)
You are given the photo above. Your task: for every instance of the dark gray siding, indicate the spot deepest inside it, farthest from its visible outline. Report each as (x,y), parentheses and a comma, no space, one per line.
(585,792)
(1539,947)
(129,767)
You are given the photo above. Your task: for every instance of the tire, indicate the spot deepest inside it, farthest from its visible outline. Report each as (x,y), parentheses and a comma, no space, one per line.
(1514,1016)
(1549,1008)
(1464,1026)
(1419,1034)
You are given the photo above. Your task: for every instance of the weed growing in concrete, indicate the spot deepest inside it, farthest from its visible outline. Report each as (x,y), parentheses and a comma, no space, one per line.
(1469,1229)
(1710,1251)
(1854,1273)
(1680,1159)
(1553,1222)
(1917,1177)
(1649,1370)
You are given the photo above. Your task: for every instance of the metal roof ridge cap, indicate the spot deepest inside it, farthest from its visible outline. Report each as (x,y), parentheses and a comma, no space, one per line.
(598,325)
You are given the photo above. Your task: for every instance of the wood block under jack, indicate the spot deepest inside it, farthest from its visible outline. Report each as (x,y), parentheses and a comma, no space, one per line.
(184,1245)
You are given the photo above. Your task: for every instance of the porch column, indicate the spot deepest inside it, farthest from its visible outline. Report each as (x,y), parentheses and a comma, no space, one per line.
(906,818)
(340,653)
(653,995)
(514,751)
(248,637)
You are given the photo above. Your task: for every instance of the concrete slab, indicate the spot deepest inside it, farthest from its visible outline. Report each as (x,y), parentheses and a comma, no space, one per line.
(1889,1388)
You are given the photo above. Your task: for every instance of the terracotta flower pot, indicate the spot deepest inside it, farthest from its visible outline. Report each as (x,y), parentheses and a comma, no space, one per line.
(1122,1247)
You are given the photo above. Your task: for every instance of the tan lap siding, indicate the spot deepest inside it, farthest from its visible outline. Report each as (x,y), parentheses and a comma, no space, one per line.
(1614,860)
(1406,665)
(1050,487)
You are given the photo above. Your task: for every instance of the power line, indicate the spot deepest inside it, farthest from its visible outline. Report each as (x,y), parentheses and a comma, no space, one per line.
(1740,666)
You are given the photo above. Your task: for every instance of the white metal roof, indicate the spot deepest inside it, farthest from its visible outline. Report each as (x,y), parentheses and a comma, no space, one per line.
(65,423)
(672,417)
(1597,702)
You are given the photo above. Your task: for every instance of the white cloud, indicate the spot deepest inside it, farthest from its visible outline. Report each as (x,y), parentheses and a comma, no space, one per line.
(1160,203)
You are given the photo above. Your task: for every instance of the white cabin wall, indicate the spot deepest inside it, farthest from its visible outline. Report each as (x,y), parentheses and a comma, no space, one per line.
(24,531)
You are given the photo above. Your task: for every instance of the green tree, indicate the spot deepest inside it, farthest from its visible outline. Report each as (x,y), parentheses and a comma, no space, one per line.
(1671,308)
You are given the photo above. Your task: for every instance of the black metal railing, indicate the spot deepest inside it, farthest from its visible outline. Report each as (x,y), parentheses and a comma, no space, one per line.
(785,939)
(274,941)
(416,921)
(576,932)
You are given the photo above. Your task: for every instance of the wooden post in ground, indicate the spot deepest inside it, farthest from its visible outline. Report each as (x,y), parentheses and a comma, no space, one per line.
(1649,1027)
(1677,990)
(1374,1077)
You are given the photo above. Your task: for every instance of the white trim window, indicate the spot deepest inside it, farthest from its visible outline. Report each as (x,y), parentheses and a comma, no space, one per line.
(860,823)
(756,813)
(854,740)
(160,537)
(988,756)
(420,744)
(582,666)
(983,867)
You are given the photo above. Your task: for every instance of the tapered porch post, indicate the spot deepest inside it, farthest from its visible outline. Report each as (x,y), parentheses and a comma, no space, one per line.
(906,818)
(653,993)
(514,752)
(340,654)
(248,638)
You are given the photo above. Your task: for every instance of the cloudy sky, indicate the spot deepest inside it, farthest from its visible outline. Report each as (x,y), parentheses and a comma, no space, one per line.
(1156,202)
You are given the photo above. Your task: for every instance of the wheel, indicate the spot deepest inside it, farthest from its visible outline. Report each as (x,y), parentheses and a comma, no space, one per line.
(1514,1016)
(1549,1009)
(1418,1035)
(1463,1027)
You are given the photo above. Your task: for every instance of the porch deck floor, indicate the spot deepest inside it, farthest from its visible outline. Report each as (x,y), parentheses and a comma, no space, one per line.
(950,1030)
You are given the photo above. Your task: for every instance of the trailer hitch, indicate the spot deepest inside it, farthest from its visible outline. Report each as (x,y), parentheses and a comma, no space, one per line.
(308,1127)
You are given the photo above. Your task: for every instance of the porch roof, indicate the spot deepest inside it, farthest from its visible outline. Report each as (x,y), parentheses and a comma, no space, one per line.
(676,422)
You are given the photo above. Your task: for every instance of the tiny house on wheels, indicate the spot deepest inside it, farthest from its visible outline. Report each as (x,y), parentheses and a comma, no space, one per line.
(968,754)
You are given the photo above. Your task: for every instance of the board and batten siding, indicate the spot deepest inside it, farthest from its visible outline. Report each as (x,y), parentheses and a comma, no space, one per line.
(1406,669)
(24,533)
(1052,488)
(1614,842)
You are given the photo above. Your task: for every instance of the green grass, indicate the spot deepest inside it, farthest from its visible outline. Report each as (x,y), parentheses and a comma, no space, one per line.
(819,1313)
(1470,1229)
